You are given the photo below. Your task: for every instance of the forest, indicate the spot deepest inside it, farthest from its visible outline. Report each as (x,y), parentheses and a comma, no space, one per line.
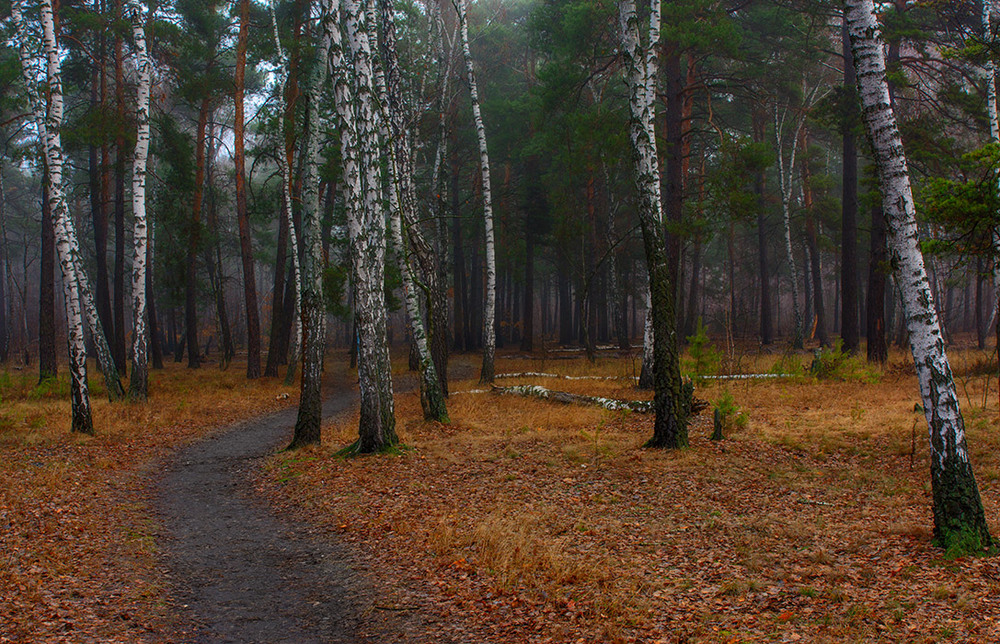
(614,320)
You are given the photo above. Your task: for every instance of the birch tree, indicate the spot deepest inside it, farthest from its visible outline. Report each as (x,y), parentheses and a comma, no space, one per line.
(139,380)
(990,72)
(786,173)
(49,123)
(490,296)
(46,117)
(307,424)
(670,426)
(360,144)
(959,519)
(402,206)
(286,207)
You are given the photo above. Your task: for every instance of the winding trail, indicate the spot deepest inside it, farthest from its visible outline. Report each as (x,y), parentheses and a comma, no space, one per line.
(238,572)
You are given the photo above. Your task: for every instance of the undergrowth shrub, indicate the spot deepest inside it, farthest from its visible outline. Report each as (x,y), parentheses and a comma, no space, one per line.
(834,364)
(730,414)
(705,358)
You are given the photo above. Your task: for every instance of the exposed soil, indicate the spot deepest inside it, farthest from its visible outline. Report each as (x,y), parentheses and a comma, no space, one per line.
(238,572)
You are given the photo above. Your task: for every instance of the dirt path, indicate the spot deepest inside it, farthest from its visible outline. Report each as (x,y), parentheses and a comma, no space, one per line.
(238,573)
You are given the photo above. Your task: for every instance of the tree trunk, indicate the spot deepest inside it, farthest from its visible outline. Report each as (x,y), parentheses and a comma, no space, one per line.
(812,242)
(213,255)
(785,178)
(194,241)
(763,267)
(98,211)
(5,299)
(46,291)
(49,127)
(670,426)
(959,519)
(118,349)
(155,335)
(139,381)
(402,206)
(459,281)
(489,306)
(849,215)
(359,149)
(242,216)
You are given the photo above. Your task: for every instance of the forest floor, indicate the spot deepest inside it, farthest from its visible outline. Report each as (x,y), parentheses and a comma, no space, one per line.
(526,520)
(81,556)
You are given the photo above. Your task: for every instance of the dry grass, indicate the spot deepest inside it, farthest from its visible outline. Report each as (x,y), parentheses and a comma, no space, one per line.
(527,521)
(79,549)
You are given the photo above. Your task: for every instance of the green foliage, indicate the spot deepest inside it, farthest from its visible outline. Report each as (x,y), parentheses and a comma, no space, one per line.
(335,281)
(730,413)
(963,543)
(705,358)
(834,364)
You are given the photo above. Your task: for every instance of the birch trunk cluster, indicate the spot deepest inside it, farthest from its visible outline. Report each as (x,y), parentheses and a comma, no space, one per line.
(48,119)
(48,116)
(670,426)
(402,207)
(353,64)
(958,510)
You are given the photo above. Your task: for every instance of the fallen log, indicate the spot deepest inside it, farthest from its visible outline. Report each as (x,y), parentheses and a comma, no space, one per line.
(613,404)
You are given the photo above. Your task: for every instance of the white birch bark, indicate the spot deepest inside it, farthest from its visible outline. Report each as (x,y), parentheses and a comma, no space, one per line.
(958,510)
(139,381)
(360,143)
(45,119)
(286,209)
(489,306)
(990,72)
(307,423)
(650,69)
(785,174)
(402,205)
(670,400)
(49,125)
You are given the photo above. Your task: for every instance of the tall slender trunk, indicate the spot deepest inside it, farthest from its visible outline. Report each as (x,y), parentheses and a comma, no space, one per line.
(292,299)
(489,306)
(459,281)
(46,290)
(278,336)
(139,381)
(764,271)
(402,206)
(98,212)
(671,397)
(118,349)
(155,334)
(849,331)
(5,299)
(49,117)
(213,254)
(989,71)
(958,511)
(194,241)
(242,216)
(812,242)
(565,297)
(786,174)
